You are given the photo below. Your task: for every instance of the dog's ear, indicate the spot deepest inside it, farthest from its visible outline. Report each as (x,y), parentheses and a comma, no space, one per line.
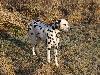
(59,21)
(57,24)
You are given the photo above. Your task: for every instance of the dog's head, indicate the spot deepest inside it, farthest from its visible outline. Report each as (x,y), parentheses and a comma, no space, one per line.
(62,25)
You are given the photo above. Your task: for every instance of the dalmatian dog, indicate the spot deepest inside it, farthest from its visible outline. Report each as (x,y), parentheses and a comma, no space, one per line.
(39,31)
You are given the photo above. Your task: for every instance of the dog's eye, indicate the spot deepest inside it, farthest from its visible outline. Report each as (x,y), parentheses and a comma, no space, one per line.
(64,24)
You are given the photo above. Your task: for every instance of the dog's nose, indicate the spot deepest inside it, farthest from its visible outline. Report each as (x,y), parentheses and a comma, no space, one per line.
(71,28)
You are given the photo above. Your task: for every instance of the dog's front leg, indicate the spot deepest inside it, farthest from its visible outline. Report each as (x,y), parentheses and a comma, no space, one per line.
(55,54)
(48,55)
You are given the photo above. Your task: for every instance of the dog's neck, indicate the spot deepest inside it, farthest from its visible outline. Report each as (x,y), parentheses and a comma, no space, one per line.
(55,28)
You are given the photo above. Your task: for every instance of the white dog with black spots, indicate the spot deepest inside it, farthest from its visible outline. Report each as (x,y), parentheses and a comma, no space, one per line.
(39,31)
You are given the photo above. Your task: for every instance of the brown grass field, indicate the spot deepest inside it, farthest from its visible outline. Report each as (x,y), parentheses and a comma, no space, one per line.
(79,51)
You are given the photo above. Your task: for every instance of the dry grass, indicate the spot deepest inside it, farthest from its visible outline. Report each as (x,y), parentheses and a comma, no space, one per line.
(6,67)
(79,52)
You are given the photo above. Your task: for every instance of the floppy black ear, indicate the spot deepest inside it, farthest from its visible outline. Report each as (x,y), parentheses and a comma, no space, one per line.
(57,26)
(59,21)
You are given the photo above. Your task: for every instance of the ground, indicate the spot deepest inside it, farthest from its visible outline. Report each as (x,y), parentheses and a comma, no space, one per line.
(79,51)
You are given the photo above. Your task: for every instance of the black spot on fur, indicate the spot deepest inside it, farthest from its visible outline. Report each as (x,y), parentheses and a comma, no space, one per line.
(56,47)
(35,26)
(48,48)
(31,33)
(52,38)
(35,22)
(39,38)
(48,36)
(43,30)
(40,28)
(48,42)
(58,44)
(51,35)
(53,41)
(49,30)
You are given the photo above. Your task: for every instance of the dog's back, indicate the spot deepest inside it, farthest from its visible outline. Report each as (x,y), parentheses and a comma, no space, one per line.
(37,30)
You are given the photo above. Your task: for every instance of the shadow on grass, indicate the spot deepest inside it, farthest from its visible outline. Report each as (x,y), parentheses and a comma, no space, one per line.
(5,36)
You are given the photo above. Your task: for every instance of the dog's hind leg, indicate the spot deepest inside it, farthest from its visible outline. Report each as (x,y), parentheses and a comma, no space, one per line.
(55,54)
(33,40)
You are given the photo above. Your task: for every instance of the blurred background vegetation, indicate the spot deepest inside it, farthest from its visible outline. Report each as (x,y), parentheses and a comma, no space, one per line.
(79,52)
